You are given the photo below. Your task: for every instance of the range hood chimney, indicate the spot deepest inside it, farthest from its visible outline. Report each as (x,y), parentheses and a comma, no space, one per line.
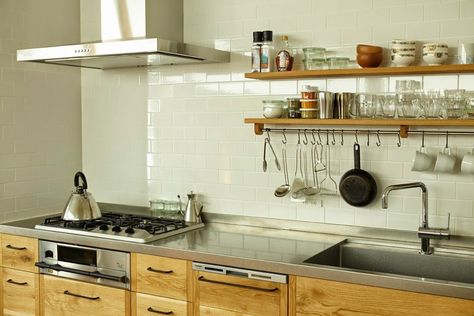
(133,33)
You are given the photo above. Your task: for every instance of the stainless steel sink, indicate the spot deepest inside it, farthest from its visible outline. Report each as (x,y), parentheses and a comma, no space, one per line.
(381,257)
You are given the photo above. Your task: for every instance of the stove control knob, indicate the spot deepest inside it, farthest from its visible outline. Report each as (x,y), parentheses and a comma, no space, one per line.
(104,227)
(116,229)
(48,254)
(129,230)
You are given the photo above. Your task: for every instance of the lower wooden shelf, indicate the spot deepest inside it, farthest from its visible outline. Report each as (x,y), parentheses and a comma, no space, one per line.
(404,124)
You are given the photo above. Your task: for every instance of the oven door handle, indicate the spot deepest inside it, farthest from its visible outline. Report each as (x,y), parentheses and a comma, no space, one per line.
(95,274)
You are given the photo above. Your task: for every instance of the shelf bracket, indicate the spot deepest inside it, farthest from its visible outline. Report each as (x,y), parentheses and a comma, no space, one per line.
(258,128)
(404,131)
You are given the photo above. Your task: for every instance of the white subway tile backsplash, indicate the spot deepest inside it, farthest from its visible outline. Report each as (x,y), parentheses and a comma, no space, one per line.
(197,139)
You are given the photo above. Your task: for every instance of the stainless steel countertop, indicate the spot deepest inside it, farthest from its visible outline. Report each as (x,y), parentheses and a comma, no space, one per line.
(247,244)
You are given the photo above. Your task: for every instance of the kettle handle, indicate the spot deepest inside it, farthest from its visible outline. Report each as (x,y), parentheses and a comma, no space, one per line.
(83,178)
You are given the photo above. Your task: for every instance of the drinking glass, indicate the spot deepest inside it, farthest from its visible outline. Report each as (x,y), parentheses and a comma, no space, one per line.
(409,104)
(455,103)
(363,106)
(432,102)
(385,105)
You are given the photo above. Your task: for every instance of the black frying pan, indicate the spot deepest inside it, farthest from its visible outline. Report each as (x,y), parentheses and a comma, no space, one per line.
(357,186)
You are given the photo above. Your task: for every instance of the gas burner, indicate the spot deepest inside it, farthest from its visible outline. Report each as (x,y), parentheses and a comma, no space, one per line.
(120,226)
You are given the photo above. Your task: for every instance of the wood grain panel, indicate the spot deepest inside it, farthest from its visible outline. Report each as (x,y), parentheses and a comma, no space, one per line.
(159,276)
(19,252)
(84,299)
(239,295)
(20,293)
(362,72)
(315,297)
(144,304)
(210,311)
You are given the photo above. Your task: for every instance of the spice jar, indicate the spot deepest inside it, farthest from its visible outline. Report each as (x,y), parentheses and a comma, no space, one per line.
(294,106)
(309,104)
(309,92)
(309,113)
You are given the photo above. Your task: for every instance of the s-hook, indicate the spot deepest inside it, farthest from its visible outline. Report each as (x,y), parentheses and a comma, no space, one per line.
(356,136)
(399,143)
(313,141)
(368,138)
(342,137)
(319,142)
(378,142)
(333,142)
(284,140)
(305,140)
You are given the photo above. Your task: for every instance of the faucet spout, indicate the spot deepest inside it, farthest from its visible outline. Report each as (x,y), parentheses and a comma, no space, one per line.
(424,198)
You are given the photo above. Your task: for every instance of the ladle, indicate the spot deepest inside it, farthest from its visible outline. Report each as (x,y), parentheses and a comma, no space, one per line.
(284,189)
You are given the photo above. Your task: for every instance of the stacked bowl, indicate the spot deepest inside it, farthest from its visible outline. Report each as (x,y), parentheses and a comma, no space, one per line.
(435,53)
(369,56)
(403,52)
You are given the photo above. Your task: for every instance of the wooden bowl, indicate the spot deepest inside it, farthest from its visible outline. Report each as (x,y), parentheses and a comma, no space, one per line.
(369,49)
(369,60)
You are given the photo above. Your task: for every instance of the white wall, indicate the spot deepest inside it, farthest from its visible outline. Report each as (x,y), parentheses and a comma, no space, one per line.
(169,130)
(40,114)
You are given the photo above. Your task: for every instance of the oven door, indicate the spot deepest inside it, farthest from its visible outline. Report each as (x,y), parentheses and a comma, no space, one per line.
(88,264)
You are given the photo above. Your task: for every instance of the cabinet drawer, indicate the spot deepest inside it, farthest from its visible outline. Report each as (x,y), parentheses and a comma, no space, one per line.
(159,276)
(315,297)
(19,252)
(63,297)
(239,295)
(20,292)
(144,304)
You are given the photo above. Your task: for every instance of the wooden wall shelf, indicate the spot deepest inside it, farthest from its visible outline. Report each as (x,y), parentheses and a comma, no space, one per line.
(404,124)
(363,72)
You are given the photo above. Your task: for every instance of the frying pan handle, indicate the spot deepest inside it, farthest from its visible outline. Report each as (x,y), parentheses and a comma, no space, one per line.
(83,178)
(356,156)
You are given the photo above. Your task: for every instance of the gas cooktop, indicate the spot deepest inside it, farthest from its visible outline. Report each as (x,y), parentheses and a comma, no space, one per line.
(125,227)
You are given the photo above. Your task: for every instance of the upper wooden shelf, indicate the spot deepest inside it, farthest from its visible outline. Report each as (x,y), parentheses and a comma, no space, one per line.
(363,72)
(404,124)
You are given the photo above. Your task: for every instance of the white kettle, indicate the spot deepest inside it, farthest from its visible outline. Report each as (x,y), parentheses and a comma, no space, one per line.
(81,205)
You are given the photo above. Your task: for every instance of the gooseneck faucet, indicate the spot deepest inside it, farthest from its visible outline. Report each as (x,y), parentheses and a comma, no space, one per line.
(424,231)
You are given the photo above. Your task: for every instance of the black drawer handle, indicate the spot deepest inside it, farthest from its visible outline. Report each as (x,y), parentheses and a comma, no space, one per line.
(16,248)
(82,296)
(16,283)
(152,310)
(203,279)
(159,271)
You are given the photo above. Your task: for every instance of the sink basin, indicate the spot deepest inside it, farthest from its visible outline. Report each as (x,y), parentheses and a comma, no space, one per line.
(401,259)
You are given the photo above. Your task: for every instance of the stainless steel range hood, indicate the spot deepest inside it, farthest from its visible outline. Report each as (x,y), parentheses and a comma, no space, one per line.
(133,33)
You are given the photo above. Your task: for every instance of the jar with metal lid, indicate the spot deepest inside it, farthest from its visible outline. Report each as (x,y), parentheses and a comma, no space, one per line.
(309,92)
(294,106)
(309,103)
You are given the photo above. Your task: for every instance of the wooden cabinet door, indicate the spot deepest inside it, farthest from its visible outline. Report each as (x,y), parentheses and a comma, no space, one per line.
(159,276)
(144,304)
(237,295)
(19,252)
(315,297)
(64,297)
(20,293)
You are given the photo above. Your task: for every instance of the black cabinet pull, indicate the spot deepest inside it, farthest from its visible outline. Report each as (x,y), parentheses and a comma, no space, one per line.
(16,248)
(203,279)
(152,310)
(16,283)
(159,271)
(82,296)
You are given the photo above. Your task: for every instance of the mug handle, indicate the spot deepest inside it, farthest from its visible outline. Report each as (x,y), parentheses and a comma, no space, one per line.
(447,150)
